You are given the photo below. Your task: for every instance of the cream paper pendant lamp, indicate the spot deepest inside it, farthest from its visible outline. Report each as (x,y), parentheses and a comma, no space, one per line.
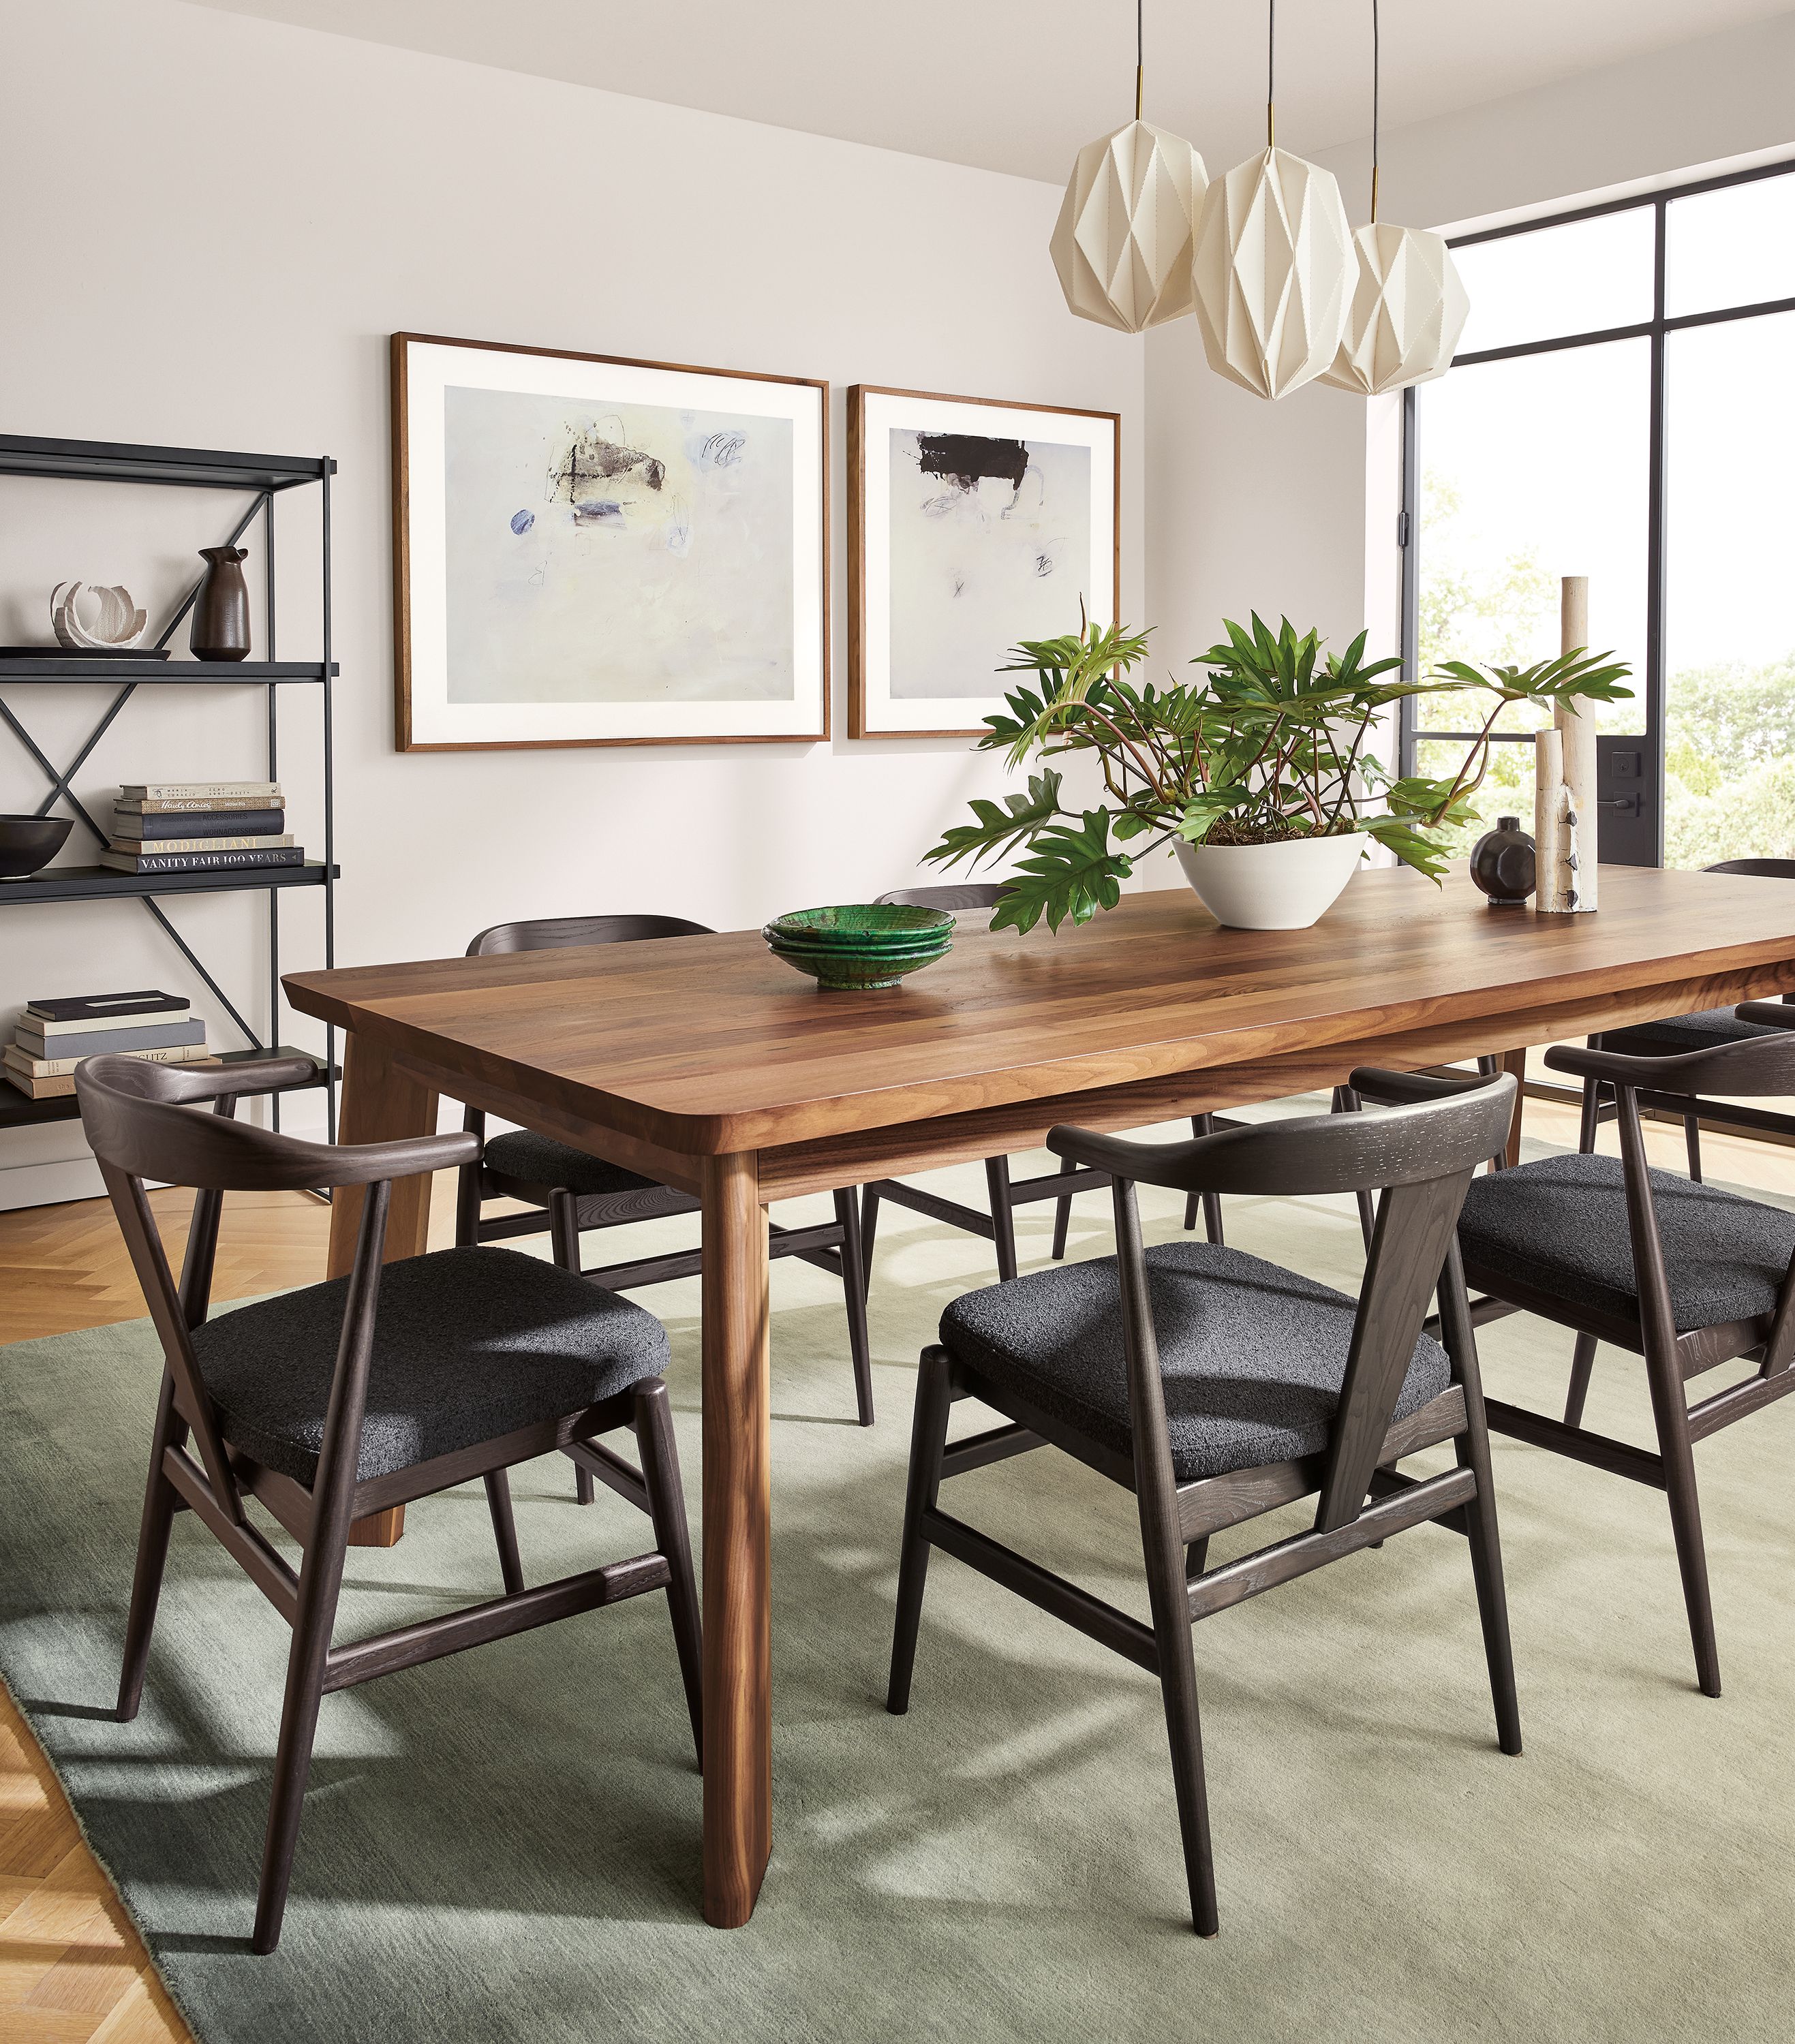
(1408,311)
(1272,269)
(1409,304)
(1122,243)
(1272,263)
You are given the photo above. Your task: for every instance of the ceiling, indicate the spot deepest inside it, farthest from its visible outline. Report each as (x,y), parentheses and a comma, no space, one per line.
(1017,85)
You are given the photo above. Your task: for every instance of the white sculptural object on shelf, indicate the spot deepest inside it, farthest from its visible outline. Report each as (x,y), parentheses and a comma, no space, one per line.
(116,621)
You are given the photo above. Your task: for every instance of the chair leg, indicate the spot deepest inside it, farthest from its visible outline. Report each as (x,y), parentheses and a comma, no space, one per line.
(468,1206)
(1583,1364)
(1195,1558)
(853,1286)
(1062,1214)
(928,1443)
(504,1529)
(666,1508)
(1167,1566)
(1592,1109)
(1003,1214)
(160,1499)
(1472,1451)
(869,1231)
(321,1580)
(1692,1142)
(1671,1412)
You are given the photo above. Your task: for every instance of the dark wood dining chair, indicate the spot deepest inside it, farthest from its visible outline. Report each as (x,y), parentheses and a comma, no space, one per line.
(1218,1387)
(567,1192)
(1678,1034)
(336,1400)
(1683,1275)
(1005,1194)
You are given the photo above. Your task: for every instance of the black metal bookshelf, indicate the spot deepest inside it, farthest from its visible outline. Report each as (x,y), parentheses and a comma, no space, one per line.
(264,477)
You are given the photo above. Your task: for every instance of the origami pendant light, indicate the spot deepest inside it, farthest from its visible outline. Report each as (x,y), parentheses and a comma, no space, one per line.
(1272,267)
(1408,305)
(1122,242)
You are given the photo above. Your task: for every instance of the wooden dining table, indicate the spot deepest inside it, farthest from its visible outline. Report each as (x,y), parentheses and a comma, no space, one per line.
(704,1063)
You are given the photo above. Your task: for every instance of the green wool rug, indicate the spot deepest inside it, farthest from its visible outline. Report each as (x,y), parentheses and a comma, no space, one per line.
(505,1845)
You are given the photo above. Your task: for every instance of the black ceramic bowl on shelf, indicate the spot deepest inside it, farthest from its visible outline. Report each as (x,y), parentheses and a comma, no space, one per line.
(28,842)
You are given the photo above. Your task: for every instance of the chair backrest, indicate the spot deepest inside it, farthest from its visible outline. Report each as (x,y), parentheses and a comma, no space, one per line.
(1757,1065)
(1420,1157)
(971,895)
(1764,869)
(147,1120)
(549,933)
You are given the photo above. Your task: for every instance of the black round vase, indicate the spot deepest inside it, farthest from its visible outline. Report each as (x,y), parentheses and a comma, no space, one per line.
(1503,864)
(221,614)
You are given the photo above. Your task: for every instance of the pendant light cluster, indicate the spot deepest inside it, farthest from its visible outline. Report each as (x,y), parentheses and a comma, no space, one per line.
(1285,293)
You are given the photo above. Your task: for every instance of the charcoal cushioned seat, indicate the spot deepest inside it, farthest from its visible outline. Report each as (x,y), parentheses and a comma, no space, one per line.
(1560,1225)
(469,1344)
(1253,1356)
(1677,1033)
(540,1160)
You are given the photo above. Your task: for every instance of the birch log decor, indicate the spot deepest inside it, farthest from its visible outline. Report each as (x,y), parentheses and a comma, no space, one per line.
(1572,890)
(1557,883)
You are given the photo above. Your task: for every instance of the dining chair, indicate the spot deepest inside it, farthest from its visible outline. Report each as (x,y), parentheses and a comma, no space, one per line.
(567,1192)
(1218,1387)
(1005,1194)
(1685,1276)
(333,1401)
(1677,1034)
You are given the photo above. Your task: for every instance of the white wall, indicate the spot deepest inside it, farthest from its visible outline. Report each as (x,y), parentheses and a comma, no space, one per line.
(1289,508)
(212,225)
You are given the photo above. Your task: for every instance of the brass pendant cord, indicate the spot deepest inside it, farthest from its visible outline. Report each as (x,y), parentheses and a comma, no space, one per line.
(1376,68)
(1271,74)
(1140,56)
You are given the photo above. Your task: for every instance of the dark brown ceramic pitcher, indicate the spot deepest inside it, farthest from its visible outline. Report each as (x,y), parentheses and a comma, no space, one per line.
(220,614)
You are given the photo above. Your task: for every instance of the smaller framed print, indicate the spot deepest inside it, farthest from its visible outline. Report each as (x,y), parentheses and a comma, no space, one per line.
(973,525)
(593,551)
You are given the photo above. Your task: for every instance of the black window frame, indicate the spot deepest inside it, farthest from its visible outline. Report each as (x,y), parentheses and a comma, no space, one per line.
(1657,331)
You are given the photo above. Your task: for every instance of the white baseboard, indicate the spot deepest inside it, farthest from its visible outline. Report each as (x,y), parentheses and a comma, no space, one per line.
(50,1185)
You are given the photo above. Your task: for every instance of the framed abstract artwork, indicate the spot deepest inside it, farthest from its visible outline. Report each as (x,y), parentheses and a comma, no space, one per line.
(592,551)
(972,525)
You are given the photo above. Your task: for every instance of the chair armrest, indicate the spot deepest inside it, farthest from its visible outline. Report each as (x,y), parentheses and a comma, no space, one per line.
(1583,1062)
(1409,1089)
(243,1080)
(1771,1014)
(1147,1163)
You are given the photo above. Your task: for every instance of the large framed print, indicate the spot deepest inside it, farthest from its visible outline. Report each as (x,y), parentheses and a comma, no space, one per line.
(973,525)
(594,551)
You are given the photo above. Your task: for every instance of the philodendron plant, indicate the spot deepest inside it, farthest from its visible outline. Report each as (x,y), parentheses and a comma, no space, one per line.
(1274,744)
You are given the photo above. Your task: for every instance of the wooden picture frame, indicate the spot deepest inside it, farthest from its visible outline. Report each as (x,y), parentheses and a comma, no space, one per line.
(876,708)
(469,667)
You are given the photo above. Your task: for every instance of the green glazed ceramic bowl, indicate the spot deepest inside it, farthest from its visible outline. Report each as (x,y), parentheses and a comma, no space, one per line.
(861,926)
(930,941)
(849,972)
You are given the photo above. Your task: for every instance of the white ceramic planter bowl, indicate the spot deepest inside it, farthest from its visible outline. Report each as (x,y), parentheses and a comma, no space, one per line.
(1287,886)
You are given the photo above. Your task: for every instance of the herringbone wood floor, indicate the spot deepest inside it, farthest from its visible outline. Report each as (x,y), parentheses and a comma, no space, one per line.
(72,1968)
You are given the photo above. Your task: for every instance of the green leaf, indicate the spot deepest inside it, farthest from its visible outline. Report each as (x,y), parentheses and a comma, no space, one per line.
(1070,871)
(1001,825)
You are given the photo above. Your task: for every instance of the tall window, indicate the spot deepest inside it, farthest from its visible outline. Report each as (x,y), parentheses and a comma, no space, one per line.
(1622,406)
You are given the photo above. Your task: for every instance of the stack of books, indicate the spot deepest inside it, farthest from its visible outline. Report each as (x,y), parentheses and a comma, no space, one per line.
(53,1036)
(199,827)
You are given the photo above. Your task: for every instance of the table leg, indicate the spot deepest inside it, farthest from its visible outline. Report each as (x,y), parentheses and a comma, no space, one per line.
(380,1102)
(737,1605)
(1515,1062)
